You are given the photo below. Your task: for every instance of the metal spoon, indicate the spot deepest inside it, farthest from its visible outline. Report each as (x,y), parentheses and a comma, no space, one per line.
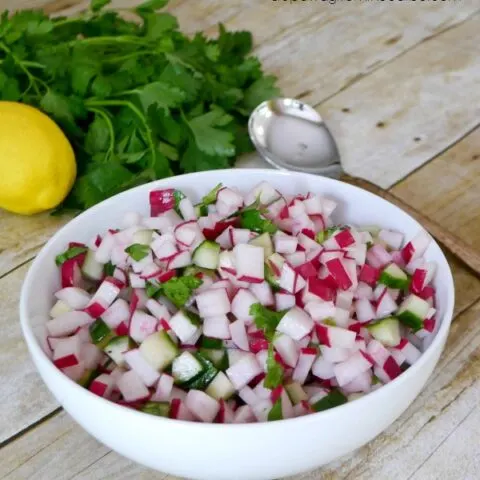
(291,135)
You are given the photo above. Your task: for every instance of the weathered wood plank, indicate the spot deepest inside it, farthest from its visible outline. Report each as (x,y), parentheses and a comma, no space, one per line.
(447,190)
(400,116)
(402,448)
(458,456)
(25,398)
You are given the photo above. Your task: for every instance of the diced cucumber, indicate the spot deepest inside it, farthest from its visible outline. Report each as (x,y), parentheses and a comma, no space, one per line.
(116,347)
(143,237)
(386,331)
(160,409)
(219,358)
(220,387)
(208,342)
(91,268)
(159,350)
(206,255)
(185,367)
(333,399)
(201,210)
(100,333)
(265,241)
(413,311)
(193,270)
(87,377)
(203,380)
(295,392)
(394,277)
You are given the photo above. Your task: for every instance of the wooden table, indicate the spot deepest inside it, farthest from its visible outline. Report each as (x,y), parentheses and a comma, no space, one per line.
(398,83)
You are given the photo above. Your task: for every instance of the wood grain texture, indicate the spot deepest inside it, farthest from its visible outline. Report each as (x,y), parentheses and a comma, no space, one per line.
(24,397)
(411,109)
(61,449)
(447,191)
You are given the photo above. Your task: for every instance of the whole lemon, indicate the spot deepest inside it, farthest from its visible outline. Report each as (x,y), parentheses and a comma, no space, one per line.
(37,162)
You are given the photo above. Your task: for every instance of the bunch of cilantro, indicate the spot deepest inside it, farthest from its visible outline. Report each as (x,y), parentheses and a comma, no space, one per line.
(137,99)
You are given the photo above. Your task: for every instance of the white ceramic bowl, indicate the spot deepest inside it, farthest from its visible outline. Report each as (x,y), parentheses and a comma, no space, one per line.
(251,451)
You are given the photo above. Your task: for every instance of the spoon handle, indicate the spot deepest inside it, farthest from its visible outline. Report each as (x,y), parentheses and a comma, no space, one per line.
(455,245)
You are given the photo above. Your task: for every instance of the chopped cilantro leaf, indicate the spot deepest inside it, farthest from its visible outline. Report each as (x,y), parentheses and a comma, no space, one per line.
(266,319)
(138,251)
(274,376)
(179,290)
(252,220)
(68,254)
(211,196)
(276,411)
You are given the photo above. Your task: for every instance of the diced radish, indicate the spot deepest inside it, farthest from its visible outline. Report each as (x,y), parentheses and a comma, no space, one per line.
(244,414)
(305,362)
(264,192)
(296,323)
(67,353)
(364,291)
(334,354)
(183,326)
(337,337)
(337,269)
(369,274)
(239,335)
(296,259)
(217,327)
(284,243)
(158,310)
(241,304)
(248,396)
(141,326)
(74,297)
(61,307)
(263,292)
(411,353)
(364,310)
(68,323)
(348,370)
(102,255)
(90,355)
(242,372)
(385,305)
(416,247)
(341,317)
(213,302)
(249,261)
(320,310)
(287,348)
(344,299)
(102,385)
(284,301)
(290,280)
(179,260)
(378,352)
(391,368)
(163,391)
(141,367)
(393,239)
(361,383)
(262,409)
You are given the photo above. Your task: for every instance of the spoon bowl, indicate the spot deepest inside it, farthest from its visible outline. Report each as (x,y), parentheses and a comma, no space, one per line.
(291,135)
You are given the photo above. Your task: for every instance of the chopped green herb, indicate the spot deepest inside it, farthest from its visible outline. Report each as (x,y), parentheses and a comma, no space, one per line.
(274,376)
(276,411)
(211,197)
(152,289)
(266,319)
(109,269)
(253,220)
(70,253)
(138,251)
(160,409)
(333,399)
(179,289)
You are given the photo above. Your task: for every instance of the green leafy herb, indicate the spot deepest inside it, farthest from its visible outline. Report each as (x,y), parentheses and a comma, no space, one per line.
(276,411)
(266,319)
(179,290)
(274,376)
(138,251)
(70,253)
(253,220)
(211,196)
(152,289)
(333,399)
(160,409)
(138,99)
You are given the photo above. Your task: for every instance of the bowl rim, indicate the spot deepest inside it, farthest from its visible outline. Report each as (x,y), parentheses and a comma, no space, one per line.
(37,353)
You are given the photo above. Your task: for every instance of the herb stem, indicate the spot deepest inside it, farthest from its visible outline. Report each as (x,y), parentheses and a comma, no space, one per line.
(106,40)
(108,121)
(134,109)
